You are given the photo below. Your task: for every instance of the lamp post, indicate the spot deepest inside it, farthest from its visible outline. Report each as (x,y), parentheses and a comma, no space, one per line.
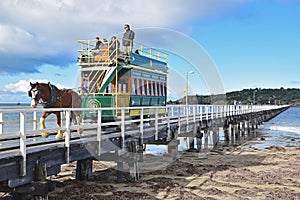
(254,96)
(187,87)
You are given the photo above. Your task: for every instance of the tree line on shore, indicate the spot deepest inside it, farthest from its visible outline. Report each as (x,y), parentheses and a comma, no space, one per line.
(281,96)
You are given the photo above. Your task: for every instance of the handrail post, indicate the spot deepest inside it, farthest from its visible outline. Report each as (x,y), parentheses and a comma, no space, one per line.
(34,120)
(156,124)
(142,123)
(23,143)
(168,123)
(201,112)
(123,128)
(67,136)
(187,115)
(99,132)
(179,119)
(1,123)
(194,119)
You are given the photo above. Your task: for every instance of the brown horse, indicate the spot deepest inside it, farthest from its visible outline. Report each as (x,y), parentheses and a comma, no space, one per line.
(51,97)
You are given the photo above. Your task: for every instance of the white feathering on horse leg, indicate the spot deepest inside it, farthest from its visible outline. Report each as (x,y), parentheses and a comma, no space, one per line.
(60,134)
(42,123)
(42,126)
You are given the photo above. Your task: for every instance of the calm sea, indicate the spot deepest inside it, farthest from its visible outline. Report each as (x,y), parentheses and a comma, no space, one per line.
(12,120)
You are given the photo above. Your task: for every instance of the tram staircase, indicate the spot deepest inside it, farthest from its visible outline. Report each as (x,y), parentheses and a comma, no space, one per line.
(99,78)
(102,74)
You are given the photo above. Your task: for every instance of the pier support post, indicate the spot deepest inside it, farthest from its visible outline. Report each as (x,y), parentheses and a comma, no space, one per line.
(173,149)
(133,160)
(199,137)
(191,143)
(253,124)
(215,137)
(226,134)
(120,171)
(206,132)
(243,128)
(84,169)
(226,131)
(248,126)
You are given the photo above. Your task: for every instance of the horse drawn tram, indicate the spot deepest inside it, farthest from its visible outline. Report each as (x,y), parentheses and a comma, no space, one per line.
(112,78)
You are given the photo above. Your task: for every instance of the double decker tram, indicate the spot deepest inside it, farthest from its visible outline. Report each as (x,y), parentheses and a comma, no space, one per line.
(112,79)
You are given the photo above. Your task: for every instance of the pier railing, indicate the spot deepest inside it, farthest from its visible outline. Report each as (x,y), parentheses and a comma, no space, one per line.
(19,132)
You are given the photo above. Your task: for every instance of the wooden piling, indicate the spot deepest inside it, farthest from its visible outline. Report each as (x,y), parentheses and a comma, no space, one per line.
(84,169)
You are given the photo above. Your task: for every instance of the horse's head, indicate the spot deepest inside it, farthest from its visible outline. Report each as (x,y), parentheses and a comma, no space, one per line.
(35,94)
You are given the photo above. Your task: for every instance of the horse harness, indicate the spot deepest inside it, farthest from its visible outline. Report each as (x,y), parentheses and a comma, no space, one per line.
(53,99)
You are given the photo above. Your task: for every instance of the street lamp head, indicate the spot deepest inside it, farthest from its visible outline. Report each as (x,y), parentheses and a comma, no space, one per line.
(191,72)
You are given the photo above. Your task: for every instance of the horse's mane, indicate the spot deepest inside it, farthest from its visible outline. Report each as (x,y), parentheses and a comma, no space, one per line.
(47,84)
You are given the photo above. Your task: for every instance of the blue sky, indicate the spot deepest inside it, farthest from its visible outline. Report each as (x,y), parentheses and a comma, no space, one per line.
(242,43)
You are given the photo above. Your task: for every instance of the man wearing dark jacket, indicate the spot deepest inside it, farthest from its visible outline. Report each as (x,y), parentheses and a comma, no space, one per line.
(128,39)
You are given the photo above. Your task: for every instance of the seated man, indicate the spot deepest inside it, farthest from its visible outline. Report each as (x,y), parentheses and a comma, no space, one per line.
(97,49)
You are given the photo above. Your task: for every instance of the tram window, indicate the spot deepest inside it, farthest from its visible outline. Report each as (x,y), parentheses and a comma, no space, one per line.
(149,88)
(158,88)
(138,87)
(133,86)
(143,87)
(144,82)
(119,87)
(153,88)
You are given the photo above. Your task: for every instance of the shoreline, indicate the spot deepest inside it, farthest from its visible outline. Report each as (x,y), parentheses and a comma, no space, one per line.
(225,173)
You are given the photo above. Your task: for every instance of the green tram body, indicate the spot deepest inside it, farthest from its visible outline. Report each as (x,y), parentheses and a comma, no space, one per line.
(116,80)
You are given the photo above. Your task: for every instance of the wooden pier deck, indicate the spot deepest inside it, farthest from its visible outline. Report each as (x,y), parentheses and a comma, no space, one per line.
(26,159)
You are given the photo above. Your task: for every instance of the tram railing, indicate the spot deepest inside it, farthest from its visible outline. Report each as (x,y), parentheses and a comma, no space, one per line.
(87,46)
(21,136)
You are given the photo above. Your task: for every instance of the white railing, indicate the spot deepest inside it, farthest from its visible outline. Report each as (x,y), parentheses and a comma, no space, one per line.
(23,132)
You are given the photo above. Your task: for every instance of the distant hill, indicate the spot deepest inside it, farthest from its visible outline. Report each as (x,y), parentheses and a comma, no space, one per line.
(281,96)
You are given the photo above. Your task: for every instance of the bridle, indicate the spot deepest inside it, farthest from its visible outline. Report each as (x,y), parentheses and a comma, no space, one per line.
(35,93)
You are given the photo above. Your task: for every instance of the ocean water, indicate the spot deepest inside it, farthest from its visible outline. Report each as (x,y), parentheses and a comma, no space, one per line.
(12,119)
(283,130)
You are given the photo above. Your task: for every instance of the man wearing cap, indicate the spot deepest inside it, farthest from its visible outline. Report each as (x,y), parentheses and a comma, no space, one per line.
(127,40)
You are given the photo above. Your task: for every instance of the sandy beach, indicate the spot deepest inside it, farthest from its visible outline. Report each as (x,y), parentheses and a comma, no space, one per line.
(225,173)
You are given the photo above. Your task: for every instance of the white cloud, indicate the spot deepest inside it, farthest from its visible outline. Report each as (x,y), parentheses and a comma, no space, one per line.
(51,26)
(24,86)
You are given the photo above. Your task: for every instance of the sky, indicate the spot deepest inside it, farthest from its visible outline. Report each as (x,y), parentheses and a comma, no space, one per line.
(229,44)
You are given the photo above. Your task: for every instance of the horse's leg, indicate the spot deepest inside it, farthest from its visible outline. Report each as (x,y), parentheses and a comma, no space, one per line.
(78,120)
(42,124)
(60,133)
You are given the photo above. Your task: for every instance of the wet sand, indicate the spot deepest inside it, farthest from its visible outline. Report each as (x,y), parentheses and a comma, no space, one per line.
(226,173)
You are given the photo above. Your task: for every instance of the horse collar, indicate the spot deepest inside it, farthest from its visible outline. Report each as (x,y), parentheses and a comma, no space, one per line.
(53,98)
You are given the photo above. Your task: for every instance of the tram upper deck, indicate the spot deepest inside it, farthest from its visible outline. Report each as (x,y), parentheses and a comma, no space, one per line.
(141,56)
